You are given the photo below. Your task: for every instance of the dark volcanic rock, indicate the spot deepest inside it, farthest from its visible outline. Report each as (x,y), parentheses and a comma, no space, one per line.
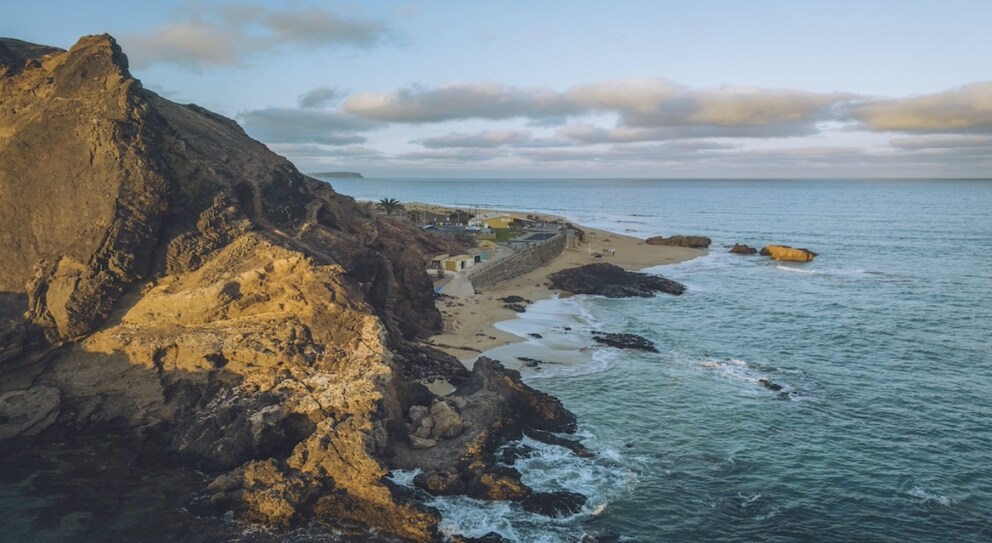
(612,281)
(554,504)
(693,242)
(742,249)
(624,341)
(515,307)
(514,299)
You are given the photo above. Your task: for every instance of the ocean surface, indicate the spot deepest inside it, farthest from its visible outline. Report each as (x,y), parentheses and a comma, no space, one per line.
(882,430)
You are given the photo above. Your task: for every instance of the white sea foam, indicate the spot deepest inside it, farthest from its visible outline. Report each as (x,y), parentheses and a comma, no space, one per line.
(931,496)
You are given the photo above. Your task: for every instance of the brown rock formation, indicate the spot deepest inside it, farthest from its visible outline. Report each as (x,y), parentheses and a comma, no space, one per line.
(694,242)
(788,254)
(165,275)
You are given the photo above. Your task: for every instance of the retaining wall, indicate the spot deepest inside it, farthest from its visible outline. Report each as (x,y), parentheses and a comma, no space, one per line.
(519,263)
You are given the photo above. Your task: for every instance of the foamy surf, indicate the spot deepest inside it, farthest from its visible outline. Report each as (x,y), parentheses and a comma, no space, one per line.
(548,468)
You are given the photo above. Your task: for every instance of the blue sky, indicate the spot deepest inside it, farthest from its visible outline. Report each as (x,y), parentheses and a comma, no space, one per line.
(557,89)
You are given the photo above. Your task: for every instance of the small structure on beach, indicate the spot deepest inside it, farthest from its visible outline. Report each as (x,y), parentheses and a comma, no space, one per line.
(458,262)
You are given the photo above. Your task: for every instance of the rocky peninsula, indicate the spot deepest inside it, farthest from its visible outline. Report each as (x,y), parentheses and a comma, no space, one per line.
(170,282)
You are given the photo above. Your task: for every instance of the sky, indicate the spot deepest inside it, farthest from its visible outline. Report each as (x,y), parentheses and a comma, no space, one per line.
(650,89)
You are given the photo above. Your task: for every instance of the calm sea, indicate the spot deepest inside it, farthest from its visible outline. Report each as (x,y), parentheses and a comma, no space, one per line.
(882,430)
(883,346)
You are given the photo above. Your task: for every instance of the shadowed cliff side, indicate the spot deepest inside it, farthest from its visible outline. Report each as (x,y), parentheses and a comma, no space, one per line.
(166,276)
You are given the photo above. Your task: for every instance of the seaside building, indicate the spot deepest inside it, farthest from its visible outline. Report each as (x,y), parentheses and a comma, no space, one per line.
(495,220)
(458,262)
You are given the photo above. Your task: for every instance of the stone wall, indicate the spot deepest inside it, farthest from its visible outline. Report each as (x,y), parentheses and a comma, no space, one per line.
(518,263)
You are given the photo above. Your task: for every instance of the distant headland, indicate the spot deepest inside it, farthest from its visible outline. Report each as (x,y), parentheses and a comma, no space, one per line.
(338,175)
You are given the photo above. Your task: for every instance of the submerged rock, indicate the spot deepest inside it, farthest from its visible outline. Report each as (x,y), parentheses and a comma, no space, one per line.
(612,281)
(788,254)
(693,242)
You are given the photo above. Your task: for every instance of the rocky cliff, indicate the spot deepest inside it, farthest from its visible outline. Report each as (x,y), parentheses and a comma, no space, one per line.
(167,278)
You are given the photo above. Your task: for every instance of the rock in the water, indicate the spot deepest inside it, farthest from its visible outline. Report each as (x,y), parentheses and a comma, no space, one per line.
(612,281)
(787,254)
(624,341)
(554,504)
(514,299)
(769,384)
(742,249)
(693,242)
(515,307)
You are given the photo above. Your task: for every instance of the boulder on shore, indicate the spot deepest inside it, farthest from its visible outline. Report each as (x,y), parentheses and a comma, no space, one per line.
(742,249)
(788,254)
(693,242)
(612,281)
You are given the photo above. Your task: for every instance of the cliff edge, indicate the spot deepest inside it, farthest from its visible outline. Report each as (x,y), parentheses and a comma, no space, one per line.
(167,278)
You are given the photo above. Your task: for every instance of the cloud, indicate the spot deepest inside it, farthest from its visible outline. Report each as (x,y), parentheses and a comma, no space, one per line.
(319,97)
(966,109)
(484,100)
(646,109)
(943,142)
(225,36)
(485,138)
(293,125)
(191,44)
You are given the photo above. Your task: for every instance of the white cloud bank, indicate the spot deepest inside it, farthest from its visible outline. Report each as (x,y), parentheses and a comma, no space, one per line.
(645,124)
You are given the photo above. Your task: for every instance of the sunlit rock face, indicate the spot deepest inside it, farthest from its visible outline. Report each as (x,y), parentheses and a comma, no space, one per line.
(166,277)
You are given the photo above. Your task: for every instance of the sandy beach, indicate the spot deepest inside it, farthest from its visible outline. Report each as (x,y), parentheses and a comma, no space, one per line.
(469,320)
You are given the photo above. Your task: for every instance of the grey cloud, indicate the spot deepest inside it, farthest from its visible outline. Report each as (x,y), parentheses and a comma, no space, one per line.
(319,97)
(966,109)
(648,109)
(459,101)
(942,142)
(292,125)
(316,26)
(224,36)
(486,138)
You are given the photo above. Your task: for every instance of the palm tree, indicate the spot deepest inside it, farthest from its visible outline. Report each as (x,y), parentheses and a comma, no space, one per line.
(389,205)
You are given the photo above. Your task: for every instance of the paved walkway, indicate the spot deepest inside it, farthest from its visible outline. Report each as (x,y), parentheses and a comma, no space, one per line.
(459,286)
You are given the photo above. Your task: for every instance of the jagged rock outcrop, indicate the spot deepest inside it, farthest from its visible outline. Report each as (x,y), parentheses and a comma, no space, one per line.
(693,242)
(612,281)
(167,277)
(742,249)
(787,254)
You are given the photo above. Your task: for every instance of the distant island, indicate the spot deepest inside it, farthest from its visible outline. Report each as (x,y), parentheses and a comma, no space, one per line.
(338,175)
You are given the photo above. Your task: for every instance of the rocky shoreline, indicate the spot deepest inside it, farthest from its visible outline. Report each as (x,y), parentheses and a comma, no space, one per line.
(193,294)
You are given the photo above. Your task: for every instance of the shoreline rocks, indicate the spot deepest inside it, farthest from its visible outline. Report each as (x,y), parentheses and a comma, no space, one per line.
(612,281)
(742,249)
(787,254)
(692,242)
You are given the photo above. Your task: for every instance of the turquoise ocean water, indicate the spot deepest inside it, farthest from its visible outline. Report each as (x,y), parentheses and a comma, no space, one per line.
(883,345)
